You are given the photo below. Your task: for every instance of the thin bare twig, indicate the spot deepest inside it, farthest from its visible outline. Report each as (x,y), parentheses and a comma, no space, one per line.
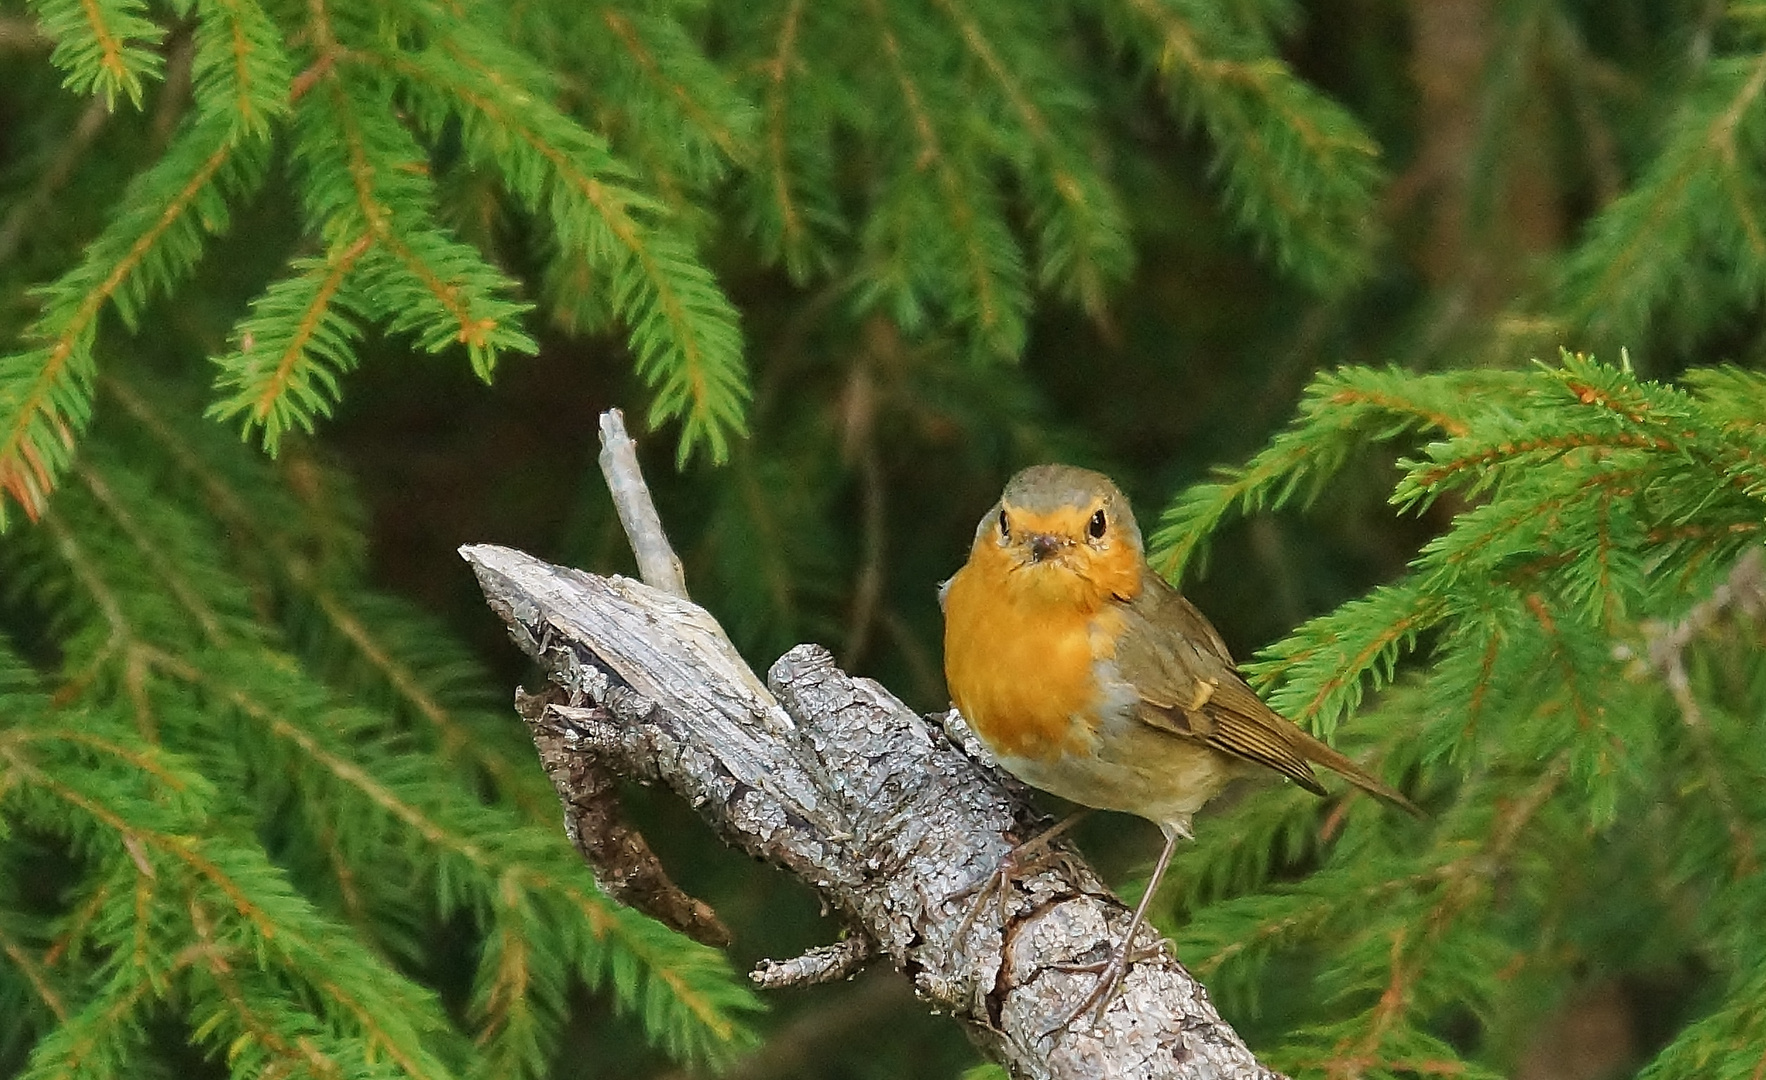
(658,564)
(825,963)
(860,449)
(73,148)
(1743,591)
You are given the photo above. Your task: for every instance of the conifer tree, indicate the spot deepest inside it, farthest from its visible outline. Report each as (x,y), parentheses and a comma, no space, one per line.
(241,788)
(252,802)
(1569,676)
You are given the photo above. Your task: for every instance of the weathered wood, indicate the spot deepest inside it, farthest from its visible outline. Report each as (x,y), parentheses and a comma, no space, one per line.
(658,564)
(624,866)
(887,814)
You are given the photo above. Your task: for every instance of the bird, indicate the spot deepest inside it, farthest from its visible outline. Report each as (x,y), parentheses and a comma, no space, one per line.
(1089,676)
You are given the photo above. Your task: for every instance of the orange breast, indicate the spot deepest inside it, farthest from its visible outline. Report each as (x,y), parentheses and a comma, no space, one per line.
(1020,668)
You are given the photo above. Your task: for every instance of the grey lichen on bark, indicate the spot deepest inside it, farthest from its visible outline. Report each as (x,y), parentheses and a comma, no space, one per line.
(889,815)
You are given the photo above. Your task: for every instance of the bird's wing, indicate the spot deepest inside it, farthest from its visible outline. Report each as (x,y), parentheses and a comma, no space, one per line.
(1189,686)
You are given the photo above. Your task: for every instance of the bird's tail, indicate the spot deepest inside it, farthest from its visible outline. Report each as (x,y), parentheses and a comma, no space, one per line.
(1321,754)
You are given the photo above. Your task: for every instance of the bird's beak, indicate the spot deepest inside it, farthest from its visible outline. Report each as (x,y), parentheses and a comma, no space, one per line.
(1042,545)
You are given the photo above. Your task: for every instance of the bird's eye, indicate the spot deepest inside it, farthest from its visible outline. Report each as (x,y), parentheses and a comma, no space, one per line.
(1096,528)
(1005,528)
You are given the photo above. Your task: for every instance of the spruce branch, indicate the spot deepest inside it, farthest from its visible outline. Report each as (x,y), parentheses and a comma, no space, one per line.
(807,1040)
(1341,412)
(1324,667)
(269,920)
(651,44)
(1731,1041)
(1582,477)
(367,628)
(785,215)
(513,872)
(103,47)
(367,180)
(241,66)
(187,594)
(431,283)
(371,813)
(992,294)
(1298,169)
(682,328)
(1082,226)
(290,353)
(1700,193)
(151,245)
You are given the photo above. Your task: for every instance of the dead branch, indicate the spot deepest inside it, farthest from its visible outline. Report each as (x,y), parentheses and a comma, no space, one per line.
(887,814)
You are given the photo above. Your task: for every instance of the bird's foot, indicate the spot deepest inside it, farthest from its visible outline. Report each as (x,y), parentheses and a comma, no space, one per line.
(1110,975)
(1027,858)
(1096,967)
(1111,978)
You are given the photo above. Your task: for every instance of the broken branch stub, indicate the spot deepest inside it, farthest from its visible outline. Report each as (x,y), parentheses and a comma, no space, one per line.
(888,815)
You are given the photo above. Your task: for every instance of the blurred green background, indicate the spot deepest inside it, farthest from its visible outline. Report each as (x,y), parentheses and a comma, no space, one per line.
(1440,185)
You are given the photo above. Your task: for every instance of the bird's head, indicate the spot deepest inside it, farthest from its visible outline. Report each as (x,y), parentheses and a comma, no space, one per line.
(1060,532)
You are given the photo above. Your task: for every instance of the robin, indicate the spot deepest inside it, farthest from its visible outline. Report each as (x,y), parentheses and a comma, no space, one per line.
(1089,676)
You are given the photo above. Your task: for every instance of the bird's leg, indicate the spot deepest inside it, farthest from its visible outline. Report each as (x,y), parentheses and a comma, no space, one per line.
(1022,861)
(1110,978)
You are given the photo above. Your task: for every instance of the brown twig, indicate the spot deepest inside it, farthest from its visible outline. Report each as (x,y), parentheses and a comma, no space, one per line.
(22,35)
(1743,591)
(625,867)
(859,447)
(174,97)
(30,209)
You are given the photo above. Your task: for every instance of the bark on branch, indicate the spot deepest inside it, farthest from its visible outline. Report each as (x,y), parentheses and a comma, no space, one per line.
(887,814)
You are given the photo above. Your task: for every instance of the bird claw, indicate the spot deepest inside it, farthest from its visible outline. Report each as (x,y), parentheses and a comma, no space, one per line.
(1095,967)
(1020,862)
(1100,997)
(993,884)
(1111,978)
(1110,974)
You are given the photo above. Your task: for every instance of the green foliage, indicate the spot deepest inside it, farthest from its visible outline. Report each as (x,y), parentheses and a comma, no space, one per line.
(1298,169)
(103,47)
(1699,203)
(1523,677)
(149,246)
(610,143)
(262,779)
(254,797)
